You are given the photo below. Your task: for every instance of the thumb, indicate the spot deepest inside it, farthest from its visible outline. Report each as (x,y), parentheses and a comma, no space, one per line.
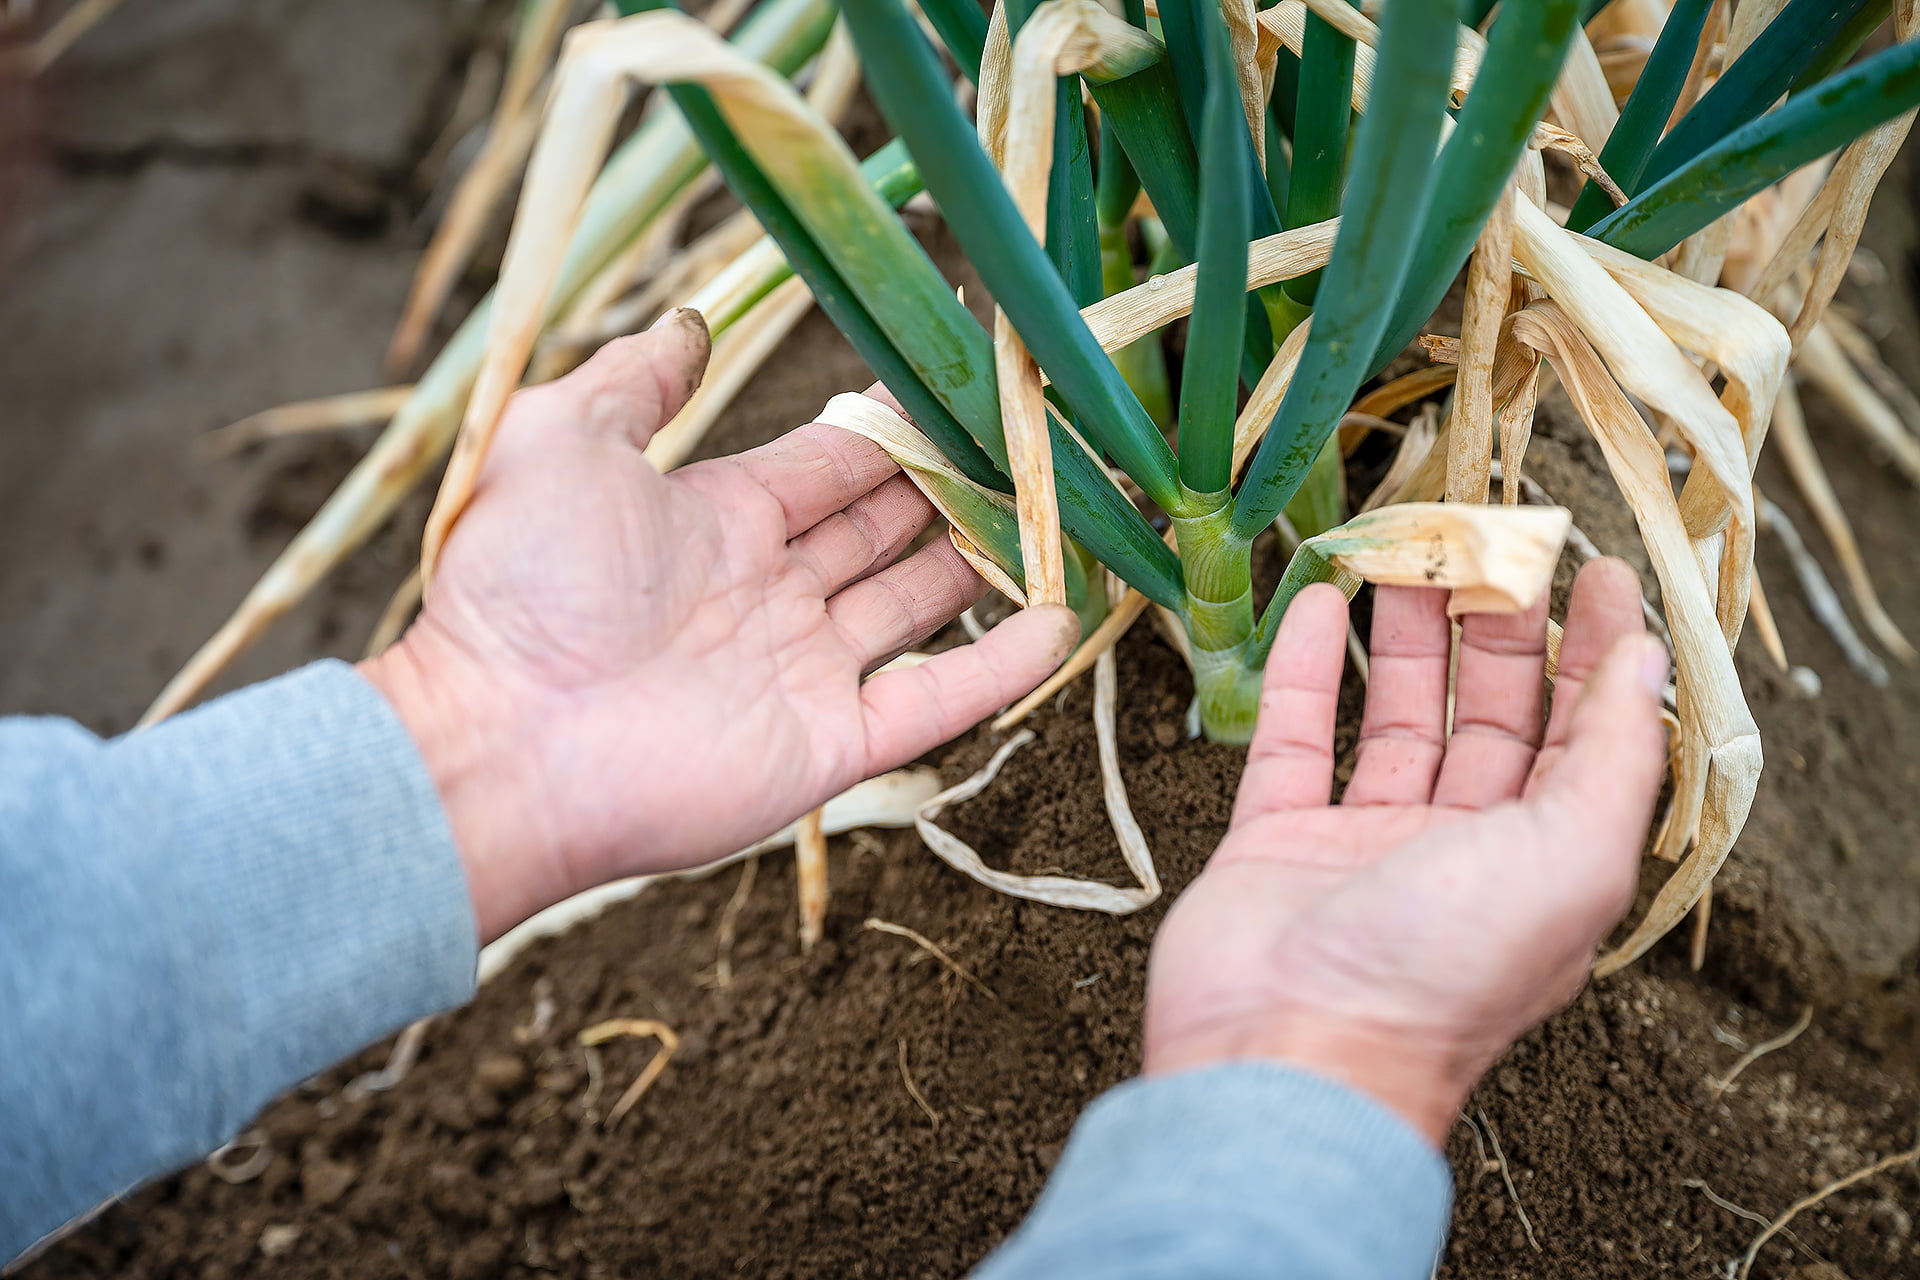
(1606,780)
(634,386)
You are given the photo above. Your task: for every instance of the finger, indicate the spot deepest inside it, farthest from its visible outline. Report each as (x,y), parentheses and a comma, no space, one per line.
(631,387)
(1403,732)
(1499,705)
(1290,764)
(908,713)
(815,471)
(896,607)
(1607,777)
(1604,609)
(867,536)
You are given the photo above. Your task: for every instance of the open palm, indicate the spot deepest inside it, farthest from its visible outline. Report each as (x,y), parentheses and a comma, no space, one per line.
(1404,937)
(681,657)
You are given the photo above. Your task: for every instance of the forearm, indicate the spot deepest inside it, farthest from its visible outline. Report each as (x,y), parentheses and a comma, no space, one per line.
(1252,1169)
(196,916)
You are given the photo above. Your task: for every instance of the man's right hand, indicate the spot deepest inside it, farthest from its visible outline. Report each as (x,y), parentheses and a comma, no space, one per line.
(1401,940)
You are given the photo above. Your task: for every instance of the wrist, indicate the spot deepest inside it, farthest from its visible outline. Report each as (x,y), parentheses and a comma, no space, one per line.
(469,738)
(1422,1087)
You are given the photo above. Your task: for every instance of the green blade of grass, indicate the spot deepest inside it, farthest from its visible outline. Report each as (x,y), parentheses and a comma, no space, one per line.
(1209,378)
(905,79)
(1323,118)
(1763,151)
(1524,51)
(1758,78)
(1387,194)
(1648,107)
(962,25)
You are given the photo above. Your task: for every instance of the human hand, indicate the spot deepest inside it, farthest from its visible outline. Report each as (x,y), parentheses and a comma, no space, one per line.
(619,672)
(1401,940)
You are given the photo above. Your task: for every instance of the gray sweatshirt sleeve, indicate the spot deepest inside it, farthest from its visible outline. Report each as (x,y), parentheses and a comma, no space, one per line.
(1235,1172)
(195,916)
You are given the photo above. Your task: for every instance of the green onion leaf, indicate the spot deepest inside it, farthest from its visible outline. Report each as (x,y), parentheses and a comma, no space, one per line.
(1387,195)
(1758,78)
(1209,380)
(905,79)
(1648,107)
(1763,151)
(1524,51)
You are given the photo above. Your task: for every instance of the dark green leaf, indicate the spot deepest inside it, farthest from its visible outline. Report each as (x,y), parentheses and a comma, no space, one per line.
(1648,107)
(1762,152)
(1209,379)
(905,79)
(1387,194)
(1758,78)
(1323,117)
(1524,52)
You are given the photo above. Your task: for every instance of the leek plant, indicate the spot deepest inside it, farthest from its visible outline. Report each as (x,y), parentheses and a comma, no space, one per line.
(1182,115)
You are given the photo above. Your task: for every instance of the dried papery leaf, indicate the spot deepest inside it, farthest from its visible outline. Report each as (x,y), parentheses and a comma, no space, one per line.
(1391,397)
(1797,450)
(509,140)
(1855,178)
(1551,137)
(726,270)
(1760,613)
(786,136)
(1489,286)
(1750,18)
(996,80)
(329,413)
(1493,559)
(1286,23)
(888,801)
(1706,60)
(1647,362)
(1061,37)
(1821,363)
(1762,265)
(1516,432)
(738,354)
(1254,73)
(1058,891)
(984,520)
(1136,312)
(1415,444)
(1628,20)
(1581,103)
(1717,752)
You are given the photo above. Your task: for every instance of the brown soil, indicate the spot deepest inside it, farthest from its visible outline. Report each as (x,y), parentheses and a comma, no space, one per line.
(785,1138)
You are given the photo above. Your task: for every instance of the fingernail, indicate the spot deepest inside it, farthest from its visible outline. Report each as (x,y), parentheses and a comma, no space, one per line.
(685,317)
(1654,666)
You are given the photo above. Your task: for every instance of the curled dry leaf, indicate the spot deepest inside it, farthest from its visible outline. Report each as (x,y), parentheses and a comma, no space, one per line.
(1493,559)
(1716,754)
